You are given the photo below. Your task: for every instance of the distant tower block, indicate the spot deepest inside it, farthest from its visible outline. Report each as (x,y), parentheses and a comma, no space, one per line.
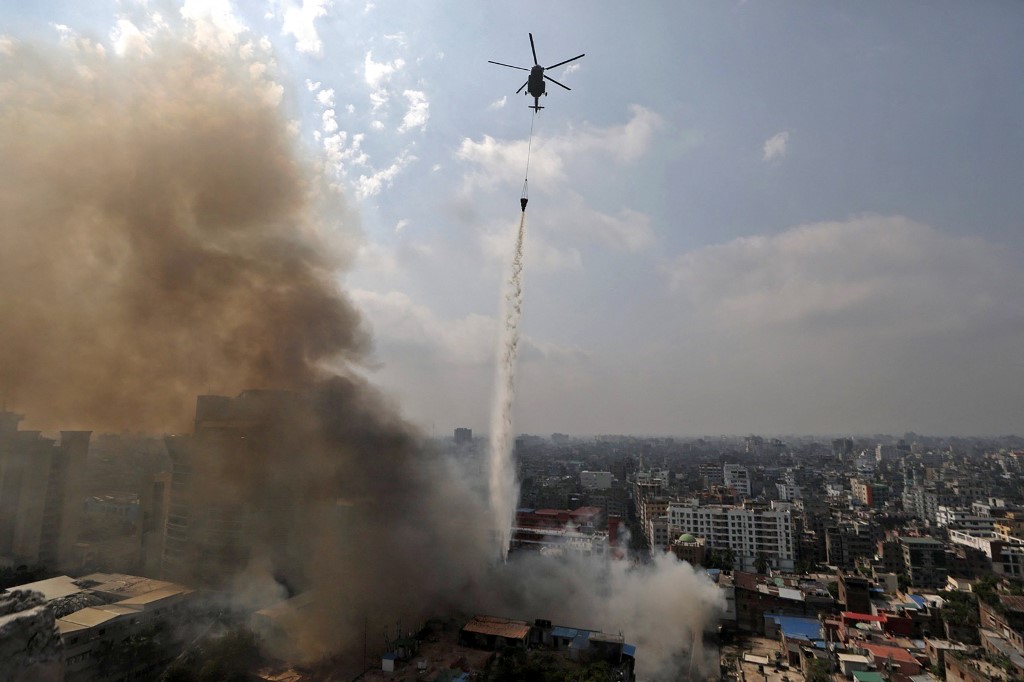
(463,435)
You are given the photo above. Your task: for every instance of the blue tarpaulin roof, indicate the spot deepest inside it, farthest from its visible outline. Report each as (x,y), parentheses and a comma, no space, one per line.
(629,650)
(582,640)
(918,599)
(794,627)
(559,631)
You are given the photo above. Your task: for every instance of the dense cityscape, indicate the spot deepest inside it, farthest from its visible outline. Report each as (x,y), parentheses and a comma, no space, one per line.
(863,558)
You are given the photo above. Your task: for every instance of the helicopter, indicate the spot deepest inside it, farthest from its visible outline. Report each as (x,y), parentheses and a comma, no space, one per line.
(535,83)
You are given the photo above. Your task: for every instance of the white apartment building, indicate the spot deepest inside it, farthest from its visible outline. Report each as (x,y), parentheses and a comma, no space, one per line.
(747,531)
(595,480)
(962,518)
(738,478)
(1006,552)
(788,491)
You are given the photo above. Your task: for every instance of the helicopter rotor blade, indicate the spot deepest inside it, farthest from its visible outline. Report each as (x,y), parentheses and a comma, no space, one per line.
(522,86)
(521,68)
(566,61)
(534,49)
(556,82)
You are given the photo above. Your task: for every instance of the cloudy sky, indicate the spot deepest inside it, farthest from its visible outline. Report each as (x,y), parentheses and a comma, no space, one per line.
(771,217)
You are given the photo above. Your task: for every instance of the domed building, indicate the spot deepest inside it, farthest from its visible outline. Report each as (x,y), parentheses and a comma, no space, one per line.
(689,548)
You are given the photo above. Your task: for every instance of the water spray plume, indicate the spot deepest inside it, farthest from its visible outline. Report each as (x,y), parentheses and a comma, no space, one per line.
(503,484)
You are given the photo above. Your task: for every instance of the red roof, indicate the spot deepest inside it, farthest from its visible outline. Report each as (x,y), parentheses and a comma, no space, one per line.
(884,651)
(853,615)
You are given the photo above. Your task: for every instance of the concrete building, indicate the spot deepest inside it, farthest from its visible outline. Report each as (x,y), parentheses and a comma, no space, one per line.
(749,531)
(40,493)
(962,518)
(737,477)
(463,436)
(788,491)
(205,539)
(595,480)
(711,475)
(848,542)
(925,561)
(869,493)
(689,548)
(1005,554)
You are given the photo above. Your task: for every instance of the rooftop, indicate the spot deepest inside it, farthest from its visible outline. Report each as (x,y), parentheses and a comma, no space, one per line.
(501,627)
(52,588)
(794,627)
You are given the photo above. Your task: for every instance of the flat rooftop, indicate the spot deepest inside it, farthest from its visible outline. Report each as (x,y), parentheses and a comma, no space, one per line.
(500,627)
(52,588)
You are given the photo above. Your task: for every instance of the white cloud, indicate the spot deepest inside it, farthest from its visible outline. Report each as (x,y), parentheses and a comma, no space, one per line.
(342,153)
(311,86)
(775,146)
(372,184)
(401,225)
(326,98)
(541,254)
(213,22)
(350,108)
(128,40)
(418,113)
(378,73)
(396,318)
(459,342)
(875,274)
(498,103)
(500,162)
(7,45)
(377,125)
(300,22)
(330,123)
(627,230)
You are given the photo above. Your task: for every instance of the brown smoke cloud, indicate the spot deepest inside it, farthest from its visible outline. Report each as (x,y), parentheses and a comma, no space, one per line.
(162,238)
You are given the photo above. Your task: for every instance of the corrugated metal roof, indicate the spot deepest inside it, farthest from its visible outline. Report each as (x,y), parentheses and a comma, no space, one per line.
(559,631)
(794,627)
(501,627)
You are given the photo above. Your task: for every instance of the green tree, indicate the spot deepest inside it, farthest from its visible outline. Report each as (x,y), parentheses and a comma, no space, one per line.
(817,671)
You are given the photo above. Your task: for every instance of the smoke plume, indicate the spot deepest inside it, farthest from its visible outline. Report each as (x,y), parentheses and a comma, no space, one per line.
(161,240)
(503,486)
(165,237)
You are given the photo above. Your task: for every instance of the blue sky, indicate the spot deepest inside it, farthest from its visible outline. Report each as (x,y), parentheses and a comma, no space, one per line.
(771,217)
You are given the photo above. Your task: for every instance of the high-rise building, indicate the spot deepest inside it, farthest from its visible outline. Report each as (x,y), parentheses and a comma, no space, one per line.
(738,478)
(711,474)
(595,480)
(925,561)
(40,493)
(463,436)
(752,532)
(206,540)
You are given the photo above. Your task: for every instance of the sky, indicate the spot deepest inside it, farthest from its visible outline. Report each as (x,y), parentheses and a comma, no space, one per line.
(745,217)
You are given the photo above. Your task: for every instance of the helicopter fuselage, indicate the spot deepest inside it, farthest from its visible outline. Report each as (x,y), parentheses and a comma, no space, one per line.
(535,85)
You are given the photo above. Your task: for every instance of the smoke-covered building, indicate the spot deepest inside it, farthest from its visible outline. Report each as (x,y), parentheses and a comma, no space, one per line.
(206,540)
(39,493)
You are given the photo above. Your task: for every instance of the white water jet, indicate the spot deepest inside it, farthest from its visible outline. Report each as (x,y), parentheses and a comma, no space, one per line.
(502,480)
